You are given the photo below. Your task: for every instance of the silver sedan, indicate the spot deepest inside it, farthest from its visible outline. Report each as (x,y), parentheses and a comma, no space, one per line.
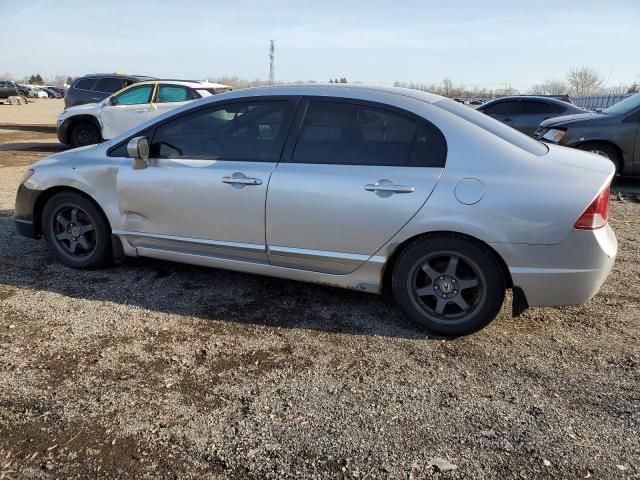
(356,187)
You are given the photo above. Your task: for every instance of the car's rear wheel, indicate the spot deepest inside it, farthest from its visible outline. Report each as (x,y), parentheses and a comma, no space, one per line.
(76,231)
(84,134)
(604,150)
(449,284)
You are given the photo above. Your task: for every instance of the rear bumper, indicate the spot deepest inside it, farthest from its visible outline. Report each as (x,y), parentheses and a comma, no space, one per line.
(23,214)
(569,273)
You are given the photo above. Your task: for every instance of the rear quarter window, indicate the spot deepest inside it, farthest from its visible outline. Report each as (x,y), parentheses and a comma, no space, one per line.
(108,85)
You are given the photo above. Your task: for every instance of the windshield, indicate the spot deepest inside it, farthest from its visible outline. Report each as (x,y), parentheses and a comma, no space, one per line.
(624,106)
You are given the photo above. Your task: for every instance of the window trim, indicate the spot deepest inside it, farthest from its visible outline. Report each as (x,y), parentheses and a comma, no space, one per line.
(150,131)
(296,129)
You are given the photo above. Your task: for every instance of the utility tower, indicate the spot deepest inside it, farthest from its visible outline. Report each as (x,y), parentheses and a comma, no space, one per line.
(272,65)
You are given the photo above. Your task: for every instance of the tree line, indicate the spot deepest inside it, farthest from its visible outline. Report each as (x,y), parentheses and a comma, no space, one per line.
(579,81)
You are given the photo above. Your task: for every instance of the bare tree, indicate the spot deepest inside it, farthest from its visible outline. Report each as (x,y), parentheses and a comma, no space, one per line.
(550,87)
(584,80)
(447,87)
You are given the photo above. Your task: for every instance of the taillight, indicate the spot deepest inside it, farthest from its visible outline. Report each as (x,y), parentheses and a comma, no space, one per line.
(597,214)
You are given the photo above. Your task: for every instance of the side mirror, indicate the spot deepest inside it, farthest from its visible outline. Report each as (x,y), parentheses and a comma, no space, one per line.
(138,149)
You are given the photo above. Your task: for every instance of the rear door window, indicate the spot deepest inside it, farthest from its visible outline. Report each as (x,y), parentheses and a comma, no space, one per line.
(173,93)
(109,85)
(355,134)
(539,108)
(502,108)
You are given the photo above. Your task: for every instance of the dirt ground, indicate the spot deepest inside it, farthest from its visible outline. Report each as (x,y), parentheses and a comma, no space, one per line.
(158,370)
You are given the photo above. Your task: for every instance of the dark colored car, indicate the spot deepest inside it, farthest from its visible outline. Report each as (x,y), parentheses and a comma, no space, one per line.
(613,133)
(9,89)
(59,90)
(96,87)
(51,92)
(525,112)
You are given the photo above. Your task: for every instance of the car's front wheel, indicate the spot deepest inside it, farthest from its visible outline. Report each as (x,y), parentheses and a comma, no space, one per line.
(604,150)
(84,134)
(76,231)
(449,284)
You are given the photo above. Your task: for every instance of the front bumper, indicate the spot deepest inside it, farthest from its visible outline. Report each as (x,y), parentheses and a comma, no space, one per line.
(24,212)
(569,273)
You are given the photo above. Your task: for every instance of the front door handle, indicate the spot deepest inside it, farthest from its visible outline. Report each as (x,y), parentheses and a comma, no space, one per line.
(240,179)
(141,110)
(388,187)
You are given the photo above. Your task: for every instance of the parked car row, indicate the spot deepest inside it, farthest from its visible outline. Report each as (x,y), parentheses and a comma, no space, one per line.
(10,89)
(356,187)
(96,87)
(613,133)
(91,123)
(525,112)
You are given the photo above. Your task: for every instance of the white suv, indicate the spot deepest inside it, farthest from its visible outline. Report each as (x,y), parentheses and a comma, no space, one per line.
(95,122)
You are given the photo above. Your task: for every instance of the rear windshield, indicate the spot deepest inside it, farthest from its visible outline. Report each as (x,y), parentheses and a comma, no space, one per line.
(499,129)
(625,105)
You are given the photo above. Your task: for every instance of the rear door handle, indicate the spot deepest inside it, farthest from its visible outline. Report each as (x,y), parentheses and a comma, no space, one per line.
(141,110)
(374,187)
(241,181)
(507,120)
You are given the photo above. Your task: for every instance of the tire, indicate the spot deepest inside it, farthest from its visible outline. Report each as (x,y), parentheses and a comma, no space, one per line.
(76,231)
(605,150)
(475,280)
(83,134)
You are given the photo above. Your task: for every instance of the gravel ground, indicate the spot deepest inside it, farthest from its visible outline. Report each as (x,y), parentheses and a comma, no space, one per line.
(158,370)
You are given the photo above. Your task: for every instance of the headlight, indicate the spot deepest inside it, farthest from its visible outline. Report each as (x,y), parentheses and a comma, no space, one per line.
(27,175)
(554,135)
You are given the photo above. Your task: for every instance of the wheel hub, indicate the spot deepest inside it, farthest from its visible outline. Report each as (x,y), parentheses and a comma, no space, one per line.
(445,286)
(74,230)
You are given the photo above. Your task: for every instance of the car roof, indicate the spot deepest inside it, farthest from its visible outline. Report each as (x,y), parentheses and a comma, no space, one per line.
(123,75)
(341,90)
(187,83)
(529,98)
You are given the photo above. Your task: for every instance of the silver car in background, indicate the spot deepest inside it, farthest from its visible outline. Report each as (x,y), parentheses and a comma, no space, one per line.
(355,187)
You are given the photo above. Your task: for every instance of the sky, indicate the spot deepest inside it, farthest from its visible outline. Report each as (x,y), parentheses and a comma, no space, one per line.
(491,43)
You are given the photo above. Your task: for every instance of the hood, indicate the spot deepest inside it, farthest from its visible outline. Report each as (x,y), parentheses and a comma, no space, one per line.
(70,155)
(87,108)
(569,119)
